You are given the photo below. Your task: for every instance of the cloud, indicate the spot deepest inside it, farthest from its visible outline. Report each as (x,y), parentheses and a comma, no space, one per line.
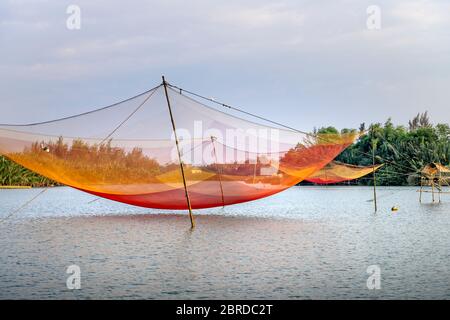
(306,63)
(421,14)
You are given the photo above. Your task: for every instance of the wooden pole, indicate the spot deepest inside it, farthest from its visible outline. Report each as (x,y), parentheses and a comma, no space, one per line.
(440,185)
(374,176)
(254,170)
(432,187)
(179,155)
(421,187)
(218,171)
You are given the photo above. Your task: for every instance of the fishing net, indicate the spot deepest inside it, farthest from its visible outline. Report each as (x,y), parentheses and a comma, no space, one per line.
(127,152)
(336,172)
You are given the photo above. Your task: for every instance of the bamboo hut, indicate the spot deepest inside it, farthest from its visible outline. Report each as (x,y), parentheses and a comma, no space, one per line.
(433,177)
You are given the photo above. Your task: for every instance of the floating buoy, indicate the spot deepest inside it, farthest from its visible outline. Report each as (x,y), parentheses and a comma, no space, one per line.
(394,208)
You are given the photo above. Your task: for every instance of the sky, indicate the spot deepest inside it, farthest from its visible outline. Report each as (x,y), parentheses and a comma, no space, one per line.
(303,63)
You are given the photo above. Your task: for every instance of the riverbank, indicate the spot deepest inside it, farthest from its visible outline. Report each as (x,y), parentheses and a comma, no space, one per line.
(15,187)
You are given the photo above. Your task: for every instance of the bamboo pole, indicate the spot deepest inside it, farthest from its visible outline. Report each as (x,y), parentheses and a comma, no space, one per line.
(218,172)
(432,188)
(440,185)
(374,176)
(254,171)
(191,217)
(421,189)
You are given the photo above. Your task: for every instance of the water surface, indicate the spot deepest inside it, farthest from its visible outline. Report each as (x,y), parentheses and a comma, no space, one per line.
(307,242)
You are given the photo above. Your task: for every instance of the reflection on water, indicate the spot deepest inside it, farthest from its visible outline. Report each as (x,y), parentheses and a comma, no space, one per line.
(307,242)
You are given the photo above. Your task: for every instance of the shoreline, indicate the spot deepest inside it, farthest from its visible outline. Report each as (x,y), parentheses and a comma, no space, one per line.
(16,187)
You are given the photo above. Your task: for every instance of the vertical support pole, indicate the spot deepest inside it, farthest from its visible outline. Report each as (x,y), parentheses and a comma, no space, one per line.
(374,176)
(254,170)
(440,185)
(421,187)
(218,171)
(432,188)
(179,155)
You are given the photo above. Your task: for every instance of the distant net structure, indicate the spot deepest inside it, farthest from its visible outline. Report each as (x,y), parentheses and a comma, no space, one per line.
(336,172)
(433,178)
(164,147)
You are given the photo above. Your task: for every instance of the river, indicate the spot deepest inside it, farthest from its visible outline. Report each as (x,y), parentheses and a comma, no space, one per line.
(304,243)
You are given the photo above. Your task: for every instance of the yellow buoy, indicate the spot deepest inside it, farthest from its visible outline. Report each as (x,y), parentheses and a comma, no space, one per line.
(394,208)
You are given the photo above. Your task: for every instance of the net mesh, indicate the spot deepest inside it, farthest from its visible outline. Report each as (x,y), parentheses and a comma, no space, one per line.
(336,172)
(127,152)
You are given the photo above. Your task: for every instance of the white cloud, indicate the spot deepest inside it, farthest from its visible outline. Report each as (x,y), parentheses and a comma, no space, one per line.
(421,13)
(307,57)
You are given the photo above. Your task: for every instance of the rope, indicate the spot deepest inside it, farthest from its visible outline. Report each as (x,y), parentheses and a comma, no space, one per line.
(124,121)
(392,193)
(129,116)
(95,200)
(23,206)
(181,90)
(238,110)
(80,114)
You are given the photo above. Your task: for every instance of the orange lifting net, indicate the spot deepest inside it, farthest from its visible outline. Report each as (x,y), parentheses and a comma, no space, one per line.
(335,172)
(127,152)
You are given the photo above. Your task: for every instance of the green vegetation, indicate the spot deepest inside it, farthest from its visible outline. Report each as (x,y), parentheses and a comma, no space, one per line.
(12,174)
(402,150)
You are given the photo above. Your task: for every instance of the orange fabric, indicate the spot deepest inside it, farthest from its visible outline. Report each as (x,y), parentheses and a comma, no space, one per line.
(135,161)
(336,172)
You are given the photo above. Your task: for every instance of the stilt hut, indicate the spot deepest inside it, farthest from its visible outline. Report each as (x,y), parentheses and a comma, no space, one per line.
(433,177)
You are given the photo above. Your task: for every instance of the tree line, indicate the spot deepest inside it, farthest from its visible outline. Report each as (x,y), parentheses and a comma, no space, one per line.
(404,151)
